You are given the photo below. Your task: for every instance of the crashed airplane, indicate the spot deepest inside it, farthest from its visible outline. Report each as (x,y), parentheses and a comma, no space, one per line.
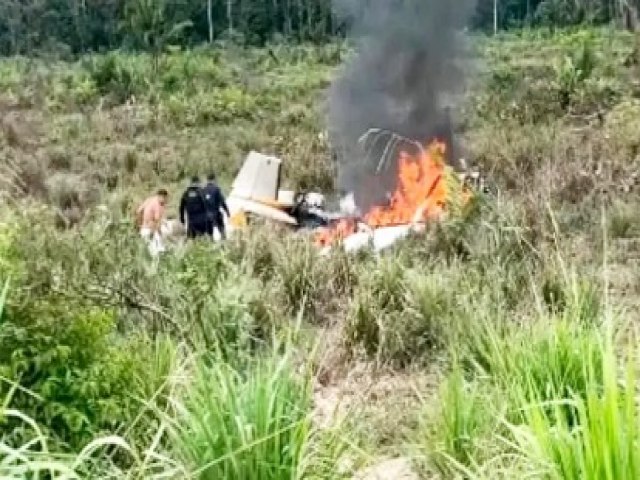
(427,190)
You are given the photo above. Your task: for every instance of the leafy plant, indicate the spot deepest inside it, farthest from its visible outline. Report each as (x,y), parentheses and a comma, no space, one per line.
(112,76)
(69,374)
(574,70)
(149,23)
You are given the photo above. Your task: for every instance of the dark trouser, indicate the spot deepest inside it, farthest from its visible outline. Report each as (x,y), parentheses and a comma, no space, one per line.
(210,226)
(220,226)
(197,229)
(216,222)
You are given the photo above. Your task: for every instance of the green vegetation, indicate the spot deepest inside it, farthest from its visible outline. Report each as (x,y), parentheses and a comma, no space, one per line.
(254,424)
(61,29)
(487,347)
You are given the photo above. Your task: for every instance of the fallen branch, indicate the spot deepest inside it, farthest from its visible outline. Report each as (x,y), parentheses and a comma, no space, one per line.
(108,296)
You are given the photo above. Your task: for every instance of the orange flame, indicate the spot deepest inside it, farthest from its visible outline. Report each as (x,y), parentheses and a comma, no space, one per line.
(420,195)
(337,233)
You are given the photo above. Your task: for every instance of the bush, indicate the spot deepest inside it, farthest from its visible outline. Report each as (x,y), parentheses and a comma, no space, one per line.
(112,76)
(622,221)
(69,373)
(574,71)
(400,315)
(69,191)
(213,299)
(301,275)
(10,264)
(195,294)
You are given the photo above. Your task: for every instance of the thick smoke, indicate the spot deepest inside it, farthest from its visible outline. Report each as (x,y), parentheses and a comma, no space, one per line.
(405,73)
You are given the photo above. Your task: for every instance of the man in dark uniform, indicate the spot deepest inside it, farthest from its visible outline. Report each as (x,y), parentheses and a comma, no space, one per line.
(215,205)
(193,204)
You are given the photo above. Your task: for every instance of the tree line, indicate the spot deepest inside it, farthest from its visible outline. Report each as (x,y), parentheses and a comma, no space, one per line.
(75,26)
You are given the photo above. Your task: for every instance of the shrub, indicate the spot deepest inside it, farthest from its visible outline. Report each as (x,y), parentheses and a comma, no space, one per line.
(574,71)
(213,298)
(70,376)
(26,176)
(400,315)
(300,274)
(3,297)
(68,191)
(195,294)
(113,77)
(622,221)
(11,265)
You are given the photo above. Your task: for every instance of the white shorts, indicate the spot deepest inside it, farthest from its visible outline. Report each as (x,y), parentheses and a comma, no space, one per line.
(154,240)
(146,233)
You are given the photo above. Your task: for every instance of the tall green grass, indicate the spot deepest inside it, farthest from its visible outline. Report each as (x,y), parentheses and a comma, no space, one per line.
(257,424)
(453,434)
(546,362)
(604,445)
(550,398)
(3,297)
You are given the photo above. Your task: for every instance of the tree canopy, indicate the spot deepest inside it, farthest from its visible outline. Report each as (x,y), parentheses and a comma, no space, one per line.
(76,26)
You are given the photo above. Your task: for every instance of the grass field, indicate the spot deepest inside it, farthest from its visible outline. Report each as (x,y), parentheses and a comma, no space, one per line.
(492,346)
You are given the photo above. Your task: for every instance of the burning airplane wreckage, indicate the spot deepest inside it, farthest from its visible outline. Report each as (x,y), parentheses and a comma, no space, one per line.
(409,69)
(426,190)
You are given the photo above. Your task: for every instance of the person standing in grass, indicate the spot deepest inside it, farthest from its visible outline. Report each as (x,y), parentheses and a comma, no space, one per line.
(194,208)
(149,217)
(216,204)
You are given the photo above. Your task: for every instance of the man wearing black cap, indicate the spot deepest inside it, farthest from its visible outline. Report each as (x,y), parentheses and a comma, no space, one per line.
(215,205)
(193,205)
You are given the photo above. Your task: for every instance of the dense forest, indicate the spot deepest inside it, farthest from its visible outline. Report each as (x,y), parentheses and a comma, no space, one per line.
(74,26)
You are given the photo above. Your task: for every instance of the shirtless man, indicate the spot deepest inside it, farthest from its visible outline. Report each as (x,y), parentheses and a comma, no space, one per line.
(149,217)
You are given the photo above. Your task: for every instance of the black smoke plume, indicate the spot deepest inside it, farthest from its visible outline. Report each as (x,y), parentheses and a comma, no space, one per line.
(407,68)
